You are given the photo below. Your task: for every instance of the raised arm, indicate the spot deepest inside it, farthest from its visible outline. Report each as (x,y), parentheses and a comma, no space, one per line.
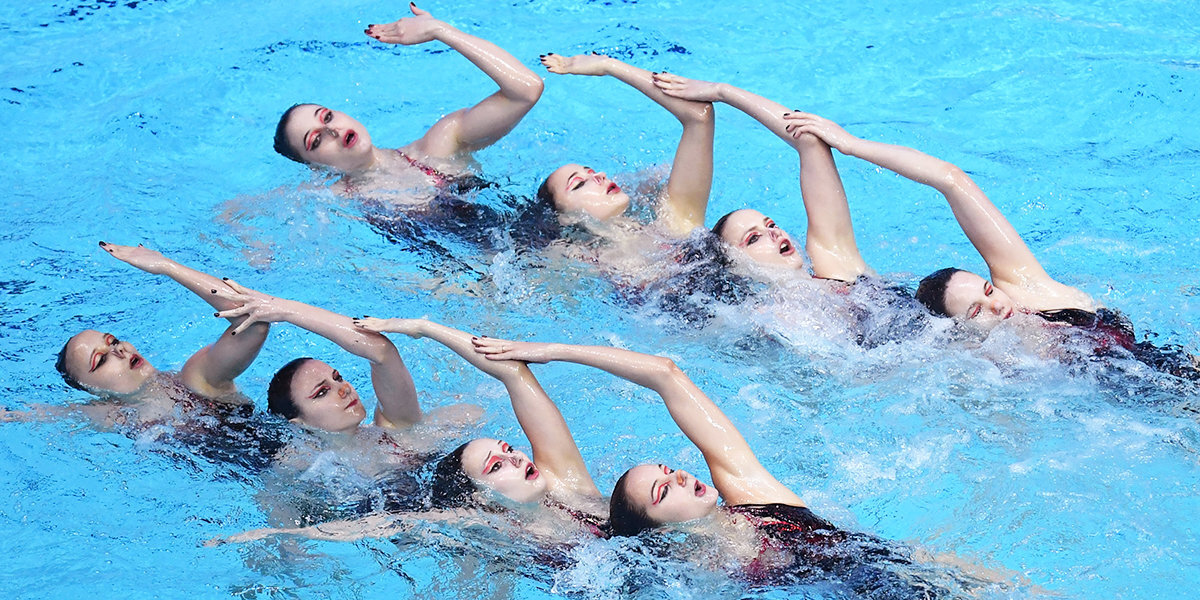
(554,448)
(394,388)
(830,243)
(1010,261)
(690,182)
(736,471)
(211,370)
(472,128)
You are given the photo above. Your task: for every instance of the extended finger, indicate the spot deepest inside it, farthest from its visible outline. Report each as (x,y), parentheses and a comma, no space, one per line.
(417,11)
(235,286)
(250,320)
(233,312)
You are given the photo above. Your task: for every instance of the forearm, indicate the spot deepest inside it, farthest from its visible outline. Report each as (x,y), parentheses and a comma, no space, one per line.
(460,343)
(338,329)
(646,370)
(516,81)
(907,162)
(687,111)
(201,284)
(767,112)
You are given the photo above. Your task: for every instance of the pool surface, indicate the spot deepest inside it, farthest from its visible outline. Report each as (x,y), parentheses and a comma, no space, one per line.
(150,122)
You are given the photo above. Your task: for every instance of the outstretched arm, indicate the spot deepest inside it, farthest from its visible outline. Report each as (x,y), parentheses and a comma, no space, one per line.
(736,472)
(210,371)
(690,182)
(472,128)
(830,242)
(554,448)
(394,388)
(1009,259)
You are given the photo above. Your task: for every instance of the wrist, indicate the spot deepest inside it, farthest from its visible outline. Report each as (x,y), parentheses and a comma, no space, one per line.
(444,32)
(723,90)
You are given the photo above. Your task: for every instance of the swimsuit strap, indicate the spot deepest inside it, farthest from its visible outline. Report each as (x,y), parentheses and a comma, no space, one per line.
(424,168)
(594,524)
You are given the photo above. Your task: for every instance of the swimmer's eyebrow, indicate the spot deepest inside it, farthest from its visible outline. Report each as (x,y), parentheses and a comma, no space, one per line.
(570,177)
(317,388)
(485,463)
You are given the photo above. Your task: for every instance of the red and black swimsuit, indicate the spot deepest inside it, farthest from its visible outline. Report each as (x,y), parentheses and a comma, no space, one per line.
(1112,333)
(799,547)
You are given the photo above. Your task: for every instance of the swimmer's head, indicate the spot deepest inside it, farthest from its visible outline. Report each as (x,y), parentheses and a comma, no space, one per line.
(965,297)
(648,496)
(309,392)
(757,237)
(485,464)
(317,136)
(574,188)
(99,363)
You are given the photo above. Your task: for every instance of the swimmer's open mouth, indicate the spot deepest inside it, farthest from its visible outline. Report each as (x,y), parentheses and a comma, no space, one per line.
(612,188)
(700,488)
(531,472)
(786,247)
(135,361)
(1009,315)
(351,137)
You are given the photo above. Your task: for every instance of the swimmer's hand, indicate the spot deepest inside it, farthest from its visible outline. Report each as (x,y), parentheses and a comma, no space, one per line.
(494,349)
(417,29)
(256,306)
(687,89)
(582,64)
(148,260)
(800,123)
(413,328)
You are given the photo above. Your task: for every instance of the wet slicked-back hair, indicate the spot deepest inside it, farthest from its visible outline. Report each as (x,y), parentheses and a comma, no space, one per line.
(718,228)
(544,194)
(932,290)
(60,365)
(450,486)
(625,517)
(279,392)
(283,145)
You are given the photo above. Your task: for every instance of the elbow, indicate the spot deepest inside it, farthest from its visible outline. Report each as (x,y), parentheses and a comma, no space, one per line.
(700,114)
(378,349)
(952,177)
(530,89)
(665,370)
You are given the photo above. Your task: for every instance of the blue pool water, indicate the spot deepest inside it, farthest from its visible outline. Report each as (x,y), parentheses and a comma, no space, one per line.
(150,121)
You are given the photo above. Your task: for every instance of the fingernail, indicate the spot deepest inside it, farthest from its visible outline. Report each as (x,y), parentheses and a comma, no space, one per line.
(214,291)
(224,279)
(232,333)
(103,243)
(216,314)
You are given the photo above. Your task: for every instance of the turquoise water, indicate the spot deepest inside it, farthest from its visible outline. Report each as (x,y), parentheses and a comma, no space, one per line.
(151,122)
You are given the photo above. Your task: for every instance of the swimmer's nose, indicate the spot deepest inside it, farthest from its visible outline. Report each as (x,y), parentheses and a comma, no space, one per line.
(600,175)
(681,477)
(344,390)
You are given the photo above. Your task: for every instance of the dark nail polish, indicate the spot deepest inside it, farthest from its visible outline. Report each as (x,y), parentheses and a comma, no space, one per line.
(103,243)
(232,333)
(216,314)
(214,291)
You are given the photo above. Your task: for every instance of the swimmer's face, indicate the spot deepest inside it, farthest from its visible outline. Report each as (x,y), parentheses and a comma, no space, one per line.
(972,299)
(575,188)
(329,138)
(498,466)
(669,496)
(106,365)
(324,399)
(757,236)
